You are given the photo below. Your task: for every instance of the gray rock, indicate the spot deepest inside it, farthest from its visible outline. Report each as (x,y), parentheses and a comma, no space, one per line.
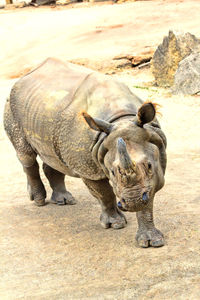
(187,77)
(41,2)
(175,47)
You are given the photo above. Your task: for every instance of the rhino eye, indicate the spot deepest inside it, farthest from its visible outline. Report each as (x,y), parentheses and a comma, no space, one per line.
(113,173)
(149,166)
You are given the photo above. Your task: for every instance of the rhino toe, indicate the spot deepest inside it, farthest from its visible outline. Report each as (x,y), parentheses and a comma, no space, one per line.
(60,198)
(115,220)
(39,202)
(149,238)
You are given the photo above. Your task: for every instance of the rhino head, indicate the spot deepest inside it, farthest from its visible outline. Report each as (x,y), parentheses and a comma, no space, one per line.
(132,158)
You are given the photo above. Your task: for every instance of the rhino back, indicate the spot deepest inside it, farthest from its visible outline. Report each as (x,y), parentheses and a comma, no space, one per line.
(105,98)
(38,97)
(45,91)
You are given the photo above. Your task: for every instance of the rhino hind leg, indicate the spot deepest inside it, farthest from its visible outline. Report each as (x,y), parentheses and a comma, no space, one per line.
(26,156)
(110,216)
(148,235)
(56,179)
(35,186)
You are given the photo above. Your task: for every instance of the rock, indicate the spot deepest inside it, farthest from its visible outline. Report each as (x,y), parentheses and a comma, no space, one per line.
(92,1)
(137,59)
(187,76)
(141,59)
(41,2)
(65,2)
(121,63)
(107,66)
(20,4)
(175,47)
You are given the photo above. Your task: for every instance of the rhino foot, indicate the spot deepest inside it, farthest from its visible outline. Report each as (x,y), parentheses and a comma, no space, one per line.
(152,237)
(62,198)
(37,195)
(115,220)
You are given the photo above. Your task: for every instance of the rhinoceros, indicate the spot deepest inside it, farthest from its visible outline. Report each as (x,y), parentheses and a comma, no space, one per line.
(88,125)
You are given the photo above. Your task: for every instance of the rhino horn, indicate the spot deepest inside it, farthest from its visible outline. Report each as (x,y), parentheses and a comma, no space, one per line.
(124,157)
(146,113)
(97,124)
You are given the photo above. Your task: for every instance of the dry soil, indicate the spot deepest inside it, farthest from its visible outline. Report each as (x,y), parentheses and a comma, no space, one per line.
(62,252)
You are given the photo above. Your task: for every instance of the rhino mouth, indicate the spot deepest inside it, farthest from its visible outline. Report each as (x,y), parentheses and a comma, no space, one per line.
(120,206)
(133,204)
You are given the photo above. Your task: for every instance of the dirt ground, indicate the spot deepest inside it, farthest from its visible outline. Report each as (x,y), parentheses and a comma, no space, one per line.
(62,252)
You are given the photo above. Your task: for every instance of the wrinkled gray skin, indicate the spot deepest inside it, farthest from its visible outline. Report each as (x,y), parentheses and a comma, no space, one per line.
(85,124)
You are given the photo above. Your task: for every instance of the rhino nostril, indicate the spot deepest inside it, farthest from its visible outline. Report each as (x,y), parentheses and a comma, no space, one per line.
(119,204)
(145,197)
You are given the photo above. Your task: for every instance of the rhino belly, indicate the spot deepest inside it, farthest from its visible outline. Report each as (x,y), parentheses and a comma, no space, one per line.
(48,155)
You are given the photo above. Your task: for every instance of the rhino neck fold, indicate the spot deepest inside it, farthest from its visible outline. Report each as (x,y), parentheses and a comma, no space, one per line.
(98,149)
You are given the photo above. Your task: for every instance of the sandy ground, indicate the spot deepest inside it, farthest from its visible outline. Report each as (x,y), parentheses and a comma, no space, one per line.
(57,252)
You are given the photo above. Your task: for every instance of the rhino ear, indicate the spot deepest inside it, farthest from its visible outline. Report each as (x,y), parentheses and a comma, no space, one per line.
(97,124)
(146,113)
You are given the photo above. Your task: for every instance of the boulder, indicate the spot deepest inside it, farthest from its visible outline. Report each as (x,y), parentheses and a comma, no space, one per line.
(175,47)
(66,2)
(19,3)
(41,2)
(187,76)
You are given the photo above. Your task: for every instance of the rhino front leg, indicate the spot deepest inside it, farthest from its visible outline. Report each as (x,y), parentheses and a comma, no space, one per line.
(35,186)
(56,179)
(110,216)
(148,234)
